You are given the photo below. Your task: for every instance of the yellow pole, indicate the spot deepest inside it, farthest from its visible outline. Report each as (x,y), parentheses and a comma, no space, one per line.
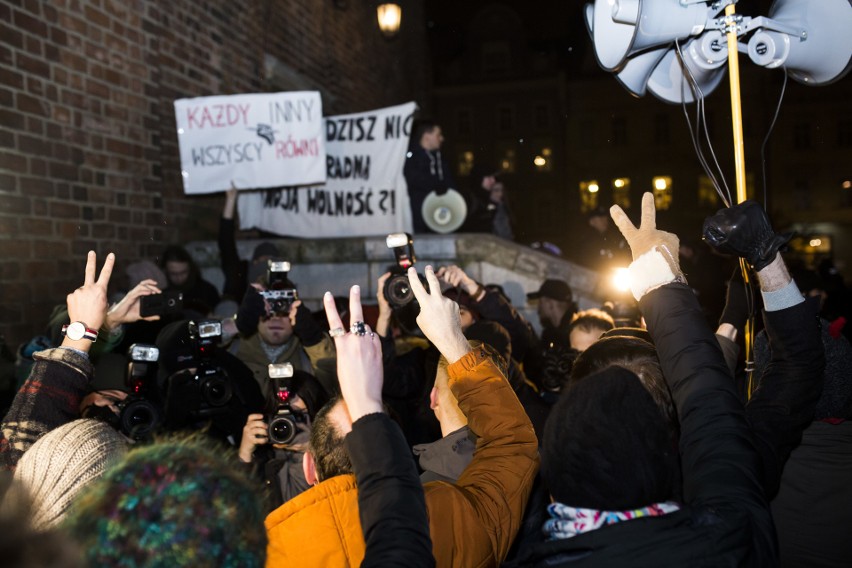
(739,164)
(736,103)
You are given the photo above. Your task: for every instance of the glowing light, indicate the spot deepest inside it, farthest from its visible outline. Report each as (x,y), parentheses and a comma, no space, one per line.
(660,183)
(390,16)
(593,187)
(621,279)
(847,184)
(539,161)
(619,183)
(815,242)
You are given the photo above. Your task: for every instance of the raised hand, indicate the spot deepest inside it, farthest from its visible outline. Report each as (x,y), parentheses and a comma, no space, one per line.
(255,433)
(88,303)
(458,278)
(127,310)
(359,357)
(647,236)
(439,316)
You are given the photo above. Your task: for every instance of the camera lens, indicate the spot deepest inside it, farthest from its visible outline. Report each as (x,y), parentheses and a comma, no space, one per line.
(282,430)
(398,291)
(216,391)
(138,418)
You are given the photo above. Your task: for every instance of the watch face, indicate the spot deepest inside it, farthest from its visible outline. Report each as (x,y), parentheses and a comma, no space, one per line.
(75,331)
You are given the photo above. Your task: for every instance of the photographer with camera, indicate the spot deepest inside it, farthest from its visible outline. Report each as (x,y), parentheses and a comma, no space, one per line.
(275,442)
(201,384)
(277,328)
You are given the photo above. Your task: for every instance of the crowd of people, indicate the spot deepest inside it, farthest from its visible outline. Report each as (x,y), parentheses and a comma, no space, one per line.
(161,421)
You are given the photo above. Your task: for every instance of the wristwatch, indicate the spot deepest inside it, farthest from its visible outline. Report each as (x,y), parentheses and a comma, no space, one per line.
(78,330)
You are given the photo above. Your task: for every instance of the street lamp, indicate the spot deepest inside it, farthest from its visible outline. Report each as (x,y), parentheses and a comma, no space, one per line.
(390,16)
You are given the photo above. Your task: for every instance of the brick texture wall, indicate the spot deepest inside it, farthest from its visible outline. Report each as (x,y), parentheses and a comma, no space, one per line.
(88,150)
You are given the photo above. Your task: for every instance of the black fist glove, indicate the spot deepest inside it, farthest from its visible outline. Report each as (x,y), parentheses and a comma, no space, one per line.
(744,230)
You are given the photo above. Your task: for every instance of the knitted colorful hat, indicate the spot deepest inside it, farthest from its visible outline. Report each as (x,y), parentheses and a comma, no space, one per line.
(174,503)
(63,462)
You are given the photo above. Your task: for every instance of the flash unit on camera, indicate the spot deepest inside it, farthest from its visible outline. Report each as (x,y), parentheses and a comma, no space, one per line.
(397,240)
(280,370)
(144,353)
(278,266)
(209,329)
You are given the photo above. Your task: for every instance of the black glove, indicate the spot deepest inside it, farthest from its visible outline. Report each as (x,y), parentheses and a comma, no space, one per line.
(736,305)
(307,329)
(744,230)
(251,309)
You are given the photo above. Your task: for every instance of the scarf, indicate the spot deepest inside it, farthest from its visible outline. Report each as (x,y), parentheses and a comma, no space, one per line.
(566,521)
(273,351)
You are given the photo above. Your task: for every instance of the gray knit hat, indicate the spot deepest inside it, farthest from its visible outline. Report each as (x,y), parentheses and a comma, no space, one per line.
(63,462)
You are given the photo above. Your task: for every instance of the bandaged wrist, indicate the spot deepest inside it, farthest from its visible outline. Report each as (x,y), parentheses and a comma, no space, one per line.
(649,272)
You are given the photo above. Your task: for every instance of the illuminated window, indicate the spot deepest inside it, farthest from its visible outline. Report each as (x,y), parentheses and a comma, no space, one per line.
(662,186)
(507,161)
(621,192)
(707,195)
(588,195)
(543,161)
(465,164)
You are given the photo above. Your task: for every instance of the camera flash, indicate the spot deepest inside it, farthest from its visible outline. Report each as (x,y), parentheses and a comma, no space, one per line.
(397,240)
(141,352)
(280,370)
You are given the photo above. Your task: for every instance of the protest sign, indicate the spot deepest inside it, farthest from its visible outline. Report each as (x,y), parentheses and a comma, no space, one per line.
(252,140)
(365,192)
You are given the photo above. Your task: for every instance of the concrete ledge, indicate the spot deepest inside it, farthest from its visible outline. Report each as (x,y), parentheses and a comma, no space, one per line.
(336,264)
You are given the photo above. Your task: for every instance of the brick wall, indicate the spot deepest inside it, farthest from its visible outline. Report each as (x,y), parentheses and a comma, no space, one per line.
(88,150)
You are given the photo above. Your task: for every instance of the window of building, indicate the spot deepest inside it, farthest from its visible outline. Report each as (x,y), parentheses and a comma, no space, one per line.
(508,157)
(619,131)
(621,192)
(589,191)
(661,130)
(707,196)
(505,118)
(662,189)
(465,162)
(543,160)
(464,122)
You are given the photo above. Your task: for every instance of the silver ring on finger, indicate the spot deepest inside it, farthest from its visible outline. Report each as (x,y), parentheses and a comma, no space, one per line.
(358,328)
(337,332)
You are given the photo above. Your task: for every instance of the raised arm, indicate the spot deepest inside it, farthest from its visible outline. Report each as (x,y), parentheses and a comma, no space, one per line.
(489,498)
(719,464)
(59,378)
(390,497)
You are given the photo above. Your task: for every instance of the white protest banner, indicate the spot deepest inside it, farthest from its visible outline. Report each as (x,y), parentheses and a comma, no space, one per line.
(365,192)
(254,140)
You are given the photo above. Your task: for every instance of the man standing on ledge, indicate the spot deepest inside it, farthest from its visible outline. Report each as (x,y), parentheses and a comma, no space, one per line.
(425,170)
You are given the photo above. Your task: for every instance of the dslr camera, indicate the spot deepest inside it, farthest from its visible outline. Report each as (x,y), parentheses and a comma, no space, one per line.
(397,289)
(208,390)
(280,294)
(138,414)
(282,419)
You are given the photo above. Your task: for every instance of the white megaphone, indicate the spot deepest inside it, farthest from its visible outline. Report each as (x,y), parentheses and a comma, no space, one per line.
(621,28)
(703,68)
(821,50)
(444,213)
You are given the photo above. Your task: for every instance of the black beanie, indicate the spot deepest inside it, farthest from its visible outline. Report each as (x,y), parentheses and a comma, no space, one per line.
(493,334)
(607,445)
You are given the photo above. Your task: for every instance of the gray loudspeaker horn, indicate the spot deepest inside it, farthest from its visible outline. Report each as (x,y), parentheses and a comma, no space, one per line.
(621,28)
(823,56)
(444,213)
(705,59)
